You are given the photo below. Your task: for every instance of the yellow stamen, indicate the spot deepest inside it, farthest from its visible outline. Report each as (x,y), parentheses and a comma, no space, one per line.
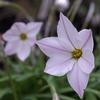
(23,36)
(77,53)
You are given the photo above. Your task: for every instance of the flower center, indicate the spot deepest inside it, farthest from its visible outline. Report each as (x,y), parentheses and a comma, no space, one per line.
(77,53)
(23,36)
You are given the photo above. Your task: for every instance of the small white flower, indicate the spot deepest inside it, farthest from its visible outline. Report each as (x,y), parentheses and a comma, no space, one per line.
(20,39)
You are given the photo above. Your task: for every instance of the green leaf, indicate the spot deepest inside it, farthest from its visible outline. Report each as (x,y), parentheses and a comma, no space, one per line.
(4,92)
(90,96)
(94,91)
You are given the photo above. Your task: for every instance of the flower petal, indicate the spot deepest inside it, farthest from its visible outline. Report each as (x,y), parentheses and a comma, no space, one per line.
(51,46)
(78,80)
(23,51)
(13,33)
(20,26)
(59,65)
(11,37)
(67,31)
(33,28)
(11,48)
(66,44)
(87,39)
(86,62)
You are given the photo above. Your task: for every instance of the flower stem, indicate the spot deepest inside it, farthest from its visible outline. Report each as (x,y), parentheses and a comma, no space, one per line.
(72,12)
(89,15)
(11,80)
(71,9)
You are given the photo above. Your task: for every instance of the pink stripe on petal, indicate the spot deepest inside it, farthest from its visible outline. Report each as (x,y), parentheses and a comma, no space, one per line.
(51,46)
(20,26)
(67,31)
(86,39)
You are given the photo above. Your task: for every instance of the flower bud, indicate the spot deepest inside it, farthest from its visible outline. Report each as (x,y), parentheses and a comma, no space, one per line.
(62,4)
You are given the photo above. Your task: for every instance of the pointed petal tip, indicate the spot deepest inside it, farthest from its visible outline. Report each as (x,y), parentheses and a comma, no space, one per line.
(78,85)
(22,59)
(17,23)
(23,56)
(90,30)
(81,95)
(46,71)
(3,36)
(6,52)
(38,23)
(61,14)
(41,23)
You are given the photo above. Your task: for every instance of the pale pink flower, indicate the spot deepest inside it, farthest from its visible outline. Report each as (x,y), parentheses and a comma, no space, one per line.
(21,38)
(70,53)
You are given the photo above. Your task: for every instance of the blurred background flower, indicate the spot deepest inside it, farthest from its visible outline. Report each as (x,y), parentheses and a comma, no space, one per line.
(62,5)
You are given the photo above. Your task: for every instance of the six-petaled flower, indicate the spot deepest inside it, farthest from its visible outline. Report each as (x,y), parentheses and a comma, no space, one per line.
(21,38)
(71,54)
